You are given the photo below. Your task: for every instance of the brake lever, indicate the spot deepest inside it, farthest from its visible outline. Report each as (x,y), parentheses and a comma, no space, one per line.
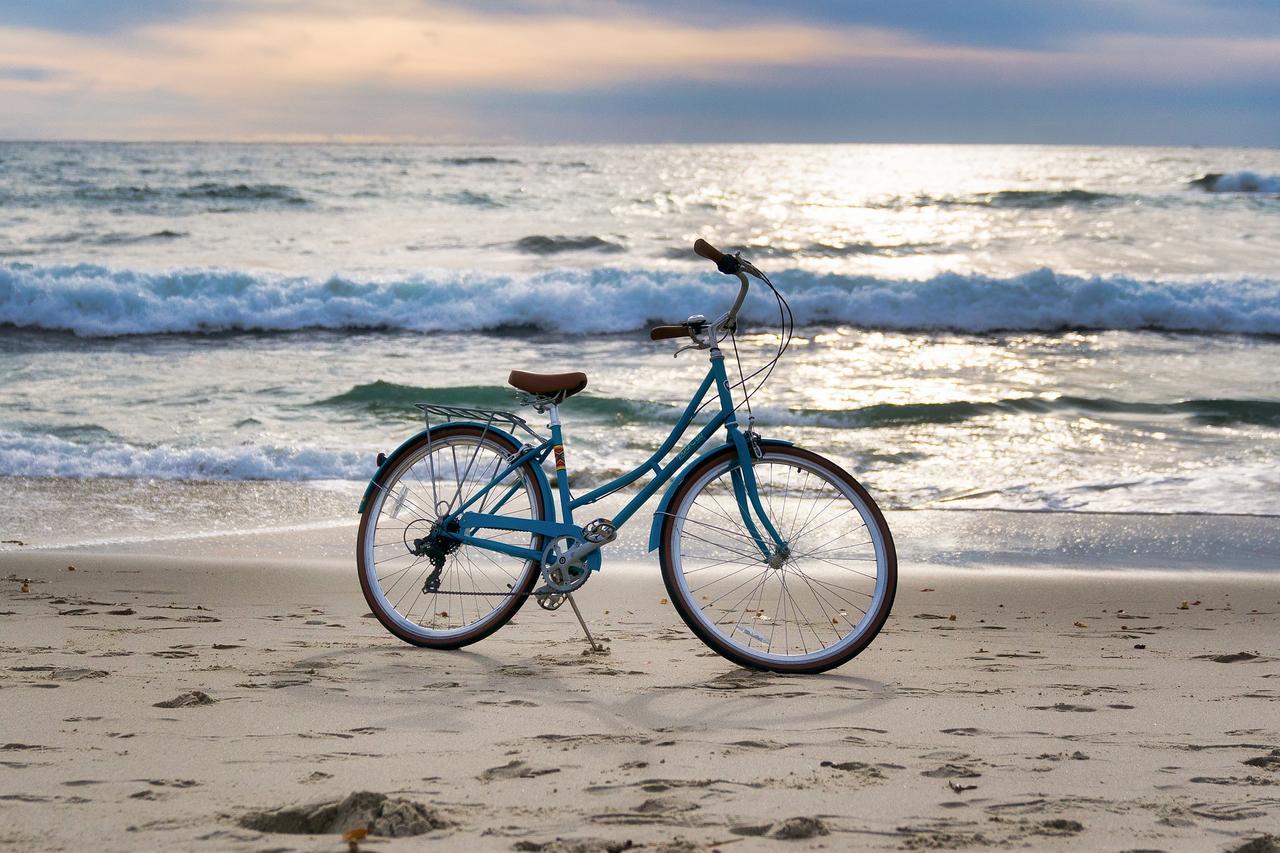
(697,328)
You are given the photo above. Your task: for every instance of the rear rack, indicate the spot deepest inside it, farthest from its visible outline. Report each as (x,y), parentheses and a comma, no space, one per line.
(466,413)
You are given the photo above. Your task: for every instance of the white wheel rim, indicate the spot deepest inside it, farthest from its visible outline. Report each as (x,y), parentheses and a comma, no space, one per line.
(417,500)
(754,636)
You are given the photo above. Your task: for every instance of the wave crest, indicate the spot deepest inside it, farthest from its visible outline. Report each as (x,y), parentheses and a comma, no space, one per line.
(1237,182)
(56,456)
(91,300)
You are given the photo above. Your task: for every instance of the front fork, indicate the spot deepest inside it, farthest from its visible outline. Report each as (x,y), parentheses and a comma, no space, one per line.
(746,490)
(744,477)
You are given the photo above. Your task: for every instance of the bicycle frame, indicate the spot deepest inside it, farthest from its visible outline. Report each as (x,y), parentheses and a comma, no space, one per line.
(743,478)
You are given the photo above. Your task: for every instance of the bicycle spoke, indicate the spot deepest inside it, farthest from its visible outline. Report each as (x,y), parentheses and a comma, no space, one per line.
(475,582)
(798,604)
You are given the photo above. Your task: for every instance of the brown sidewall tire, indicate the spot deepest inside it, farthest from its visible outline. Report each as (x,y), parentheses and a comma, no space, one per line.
(716,643)
(509,609)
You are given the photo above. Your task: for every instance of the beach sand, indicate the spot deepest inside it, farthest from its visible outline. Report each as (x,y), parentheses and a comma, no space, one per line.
(1000,707)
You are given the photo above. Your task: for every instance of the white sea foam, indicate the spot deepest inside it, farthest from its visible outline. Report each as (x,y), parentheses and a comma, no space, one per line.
(1248,489)
(49,456)
(96,301)
(1245,488)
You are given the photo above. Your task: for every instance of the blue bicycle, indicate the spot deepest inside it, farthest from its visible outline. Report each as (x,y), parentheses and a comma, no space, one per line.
(773,555)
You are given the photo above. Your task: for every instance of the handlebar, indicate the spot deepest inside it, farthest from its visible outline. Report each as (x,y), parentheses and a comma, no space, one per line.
(663,333)
(705,336)
(727,264)
(708,251)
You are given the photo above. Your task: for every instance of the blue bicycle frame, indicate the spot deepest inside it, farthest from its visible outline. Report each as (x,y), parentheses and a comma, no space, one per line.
(471,523)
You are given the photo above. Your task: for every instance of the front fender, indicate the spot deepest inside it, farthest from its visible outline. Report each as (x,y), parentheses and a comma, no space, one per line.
(544,486)
(655,529)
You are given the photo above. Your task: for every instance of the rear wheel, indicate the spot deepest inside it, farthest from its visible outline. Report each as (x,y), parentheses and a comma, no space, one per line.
(814,606)
(476,590)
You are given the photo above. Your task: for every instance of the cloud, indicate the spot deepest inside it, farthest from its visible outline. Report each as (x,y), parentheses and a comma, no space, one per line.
(25,73)
(251,67)
(276,46)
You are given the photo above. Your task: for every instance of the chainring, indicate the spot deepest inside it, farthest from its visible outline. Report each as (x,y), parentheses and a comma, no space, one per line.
(559,577)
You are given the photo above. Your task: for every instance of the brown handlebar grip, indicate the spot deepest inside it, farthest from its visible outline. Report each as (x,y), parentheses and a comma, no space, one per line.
(708,251)
(663,333)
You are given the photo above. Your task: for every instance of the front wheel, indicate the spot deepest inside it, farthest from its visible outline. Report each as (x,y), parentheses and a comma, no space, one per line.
(806,608)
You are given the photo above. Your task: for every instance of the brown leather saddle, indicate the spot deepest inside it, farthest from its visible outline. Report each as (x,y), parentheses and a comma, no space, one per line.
(557,386)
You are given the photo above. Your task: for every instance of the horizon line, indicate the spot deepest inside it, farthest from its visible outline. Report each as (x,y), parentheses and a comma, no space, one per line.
(510,143)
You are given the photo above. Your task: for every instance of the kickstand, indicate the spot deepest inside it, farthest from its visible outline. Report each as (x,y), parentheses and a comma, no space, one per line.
(595,647)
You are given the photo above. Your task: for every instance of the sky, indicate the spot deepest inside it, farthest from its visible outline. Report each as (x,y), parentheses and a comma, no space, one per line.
(1163,72)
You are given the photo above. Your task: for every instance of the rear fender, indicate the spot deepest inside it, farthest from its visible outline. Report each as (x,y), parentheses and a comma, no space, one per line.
(655,529)
(544,486)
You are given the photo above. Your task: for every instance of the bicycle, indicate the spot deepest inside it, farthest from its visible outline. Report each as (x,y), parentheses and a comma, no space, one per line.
(774,556)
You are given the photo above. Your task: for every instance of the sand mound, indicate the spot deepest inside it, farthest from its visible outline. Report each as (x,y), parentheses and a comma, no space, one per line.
(187,700)
(380,814)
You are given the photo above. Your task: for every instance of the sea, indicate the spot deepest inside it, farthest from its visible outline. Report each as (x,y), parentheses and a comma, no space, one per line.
(1039,328)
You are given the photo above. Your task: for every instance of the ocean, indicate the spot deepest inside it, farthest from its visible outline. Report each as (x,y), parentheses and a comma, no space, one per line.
(1047,328)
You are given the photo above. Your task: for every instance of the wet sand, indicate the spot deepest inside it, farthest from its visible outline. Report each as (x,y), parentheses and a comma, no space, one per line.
(1000,708)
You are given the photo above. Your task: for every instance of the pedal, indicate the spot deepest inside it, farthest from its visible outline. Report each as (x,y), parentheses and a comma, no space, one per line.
(601,531)
(595,534)
(548,598)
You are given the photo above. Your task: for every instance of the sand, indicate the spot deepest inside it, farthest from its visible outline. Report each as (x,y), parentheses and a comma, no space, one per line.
(227,693)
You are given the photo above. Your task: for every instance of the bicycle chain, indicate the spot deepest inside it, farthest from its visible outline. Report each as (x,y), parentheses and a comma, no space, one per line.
(546,600)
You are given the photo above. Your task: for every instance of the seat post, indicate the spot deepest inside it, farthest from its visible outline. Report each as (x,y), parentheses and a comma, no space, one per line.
(562,473)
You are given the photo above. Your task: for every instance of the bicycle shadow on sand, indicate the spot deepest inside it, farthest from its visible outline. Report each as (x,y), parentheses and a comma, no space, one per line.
(750,699)
(599,686)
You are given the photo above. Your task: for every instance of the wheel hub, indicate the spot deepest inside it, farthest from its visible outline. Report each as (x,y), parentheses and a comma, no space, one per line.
(780,557)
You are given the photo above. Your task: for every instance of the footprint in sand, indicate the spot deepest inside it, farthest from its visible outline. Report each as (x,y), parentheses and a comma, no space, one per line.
(515,769)
(1261,844)
(858,769)
(1233,781)
(76,674)
(791,829)
(1241,810)
(951,771)
(171,783)
(1235,657)
(651,811)
(1270,761)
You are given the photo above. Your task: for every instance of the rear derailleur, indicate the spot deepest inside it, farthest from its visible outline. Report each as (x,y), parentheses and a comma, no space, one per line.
(436,546)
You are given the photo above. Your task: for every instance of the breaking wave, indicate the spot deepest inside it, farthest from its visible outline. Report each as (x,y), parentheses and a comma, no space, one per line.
(35,455)
(92,300)
(1237,182)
